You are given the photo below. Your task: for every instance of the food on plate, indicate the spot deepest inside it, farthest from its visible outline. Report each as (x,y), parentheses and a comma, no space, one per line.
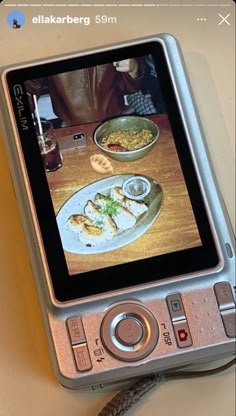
(124,219)
(106,216)
(100,219)
(76,222)
(107,204)
(117,194)
(101,164)
(88,232)
(136,207)
(92,211)
(127,140)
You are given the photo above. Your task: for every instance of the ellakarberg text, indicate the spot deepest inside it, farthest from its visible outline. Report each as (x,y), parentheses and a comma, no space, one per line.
(42,19)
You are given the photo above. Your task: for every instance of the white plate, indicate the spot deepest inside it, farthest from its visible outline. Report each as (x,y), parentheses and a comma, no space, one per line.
(76,204)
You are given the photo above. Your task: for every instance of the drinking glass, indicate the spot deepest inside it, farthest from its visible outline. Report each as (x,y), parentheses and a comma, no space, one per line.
(48,144)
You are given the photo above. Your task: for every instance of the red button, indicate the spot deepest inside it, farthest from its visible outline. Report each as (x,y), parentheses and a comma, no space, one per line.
(182,334)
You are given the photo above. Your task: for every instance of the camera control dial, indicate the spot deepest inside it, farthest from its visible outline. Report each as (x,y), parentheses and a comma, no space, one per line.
(129,332)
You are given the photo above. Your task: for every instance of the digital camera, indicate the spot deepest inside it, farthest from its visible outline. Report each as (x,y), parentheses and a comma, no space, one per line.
(131,247)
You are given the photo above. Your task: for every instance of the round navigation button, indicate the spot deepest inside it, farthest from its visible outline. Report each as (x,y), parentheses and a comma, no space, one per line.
(129,331)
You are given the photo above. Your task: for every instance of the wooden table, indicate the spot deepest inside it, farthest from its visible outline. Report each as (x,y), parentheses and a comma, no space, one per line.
(173,230)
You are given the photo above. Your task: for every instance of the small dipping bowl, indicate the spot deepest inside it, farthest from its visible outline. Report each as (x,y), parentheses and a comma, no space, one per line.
(136,187)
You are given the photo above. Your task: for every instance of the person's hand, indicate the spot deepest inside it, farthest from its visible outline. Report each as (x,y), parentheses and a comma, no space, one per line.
(127,65)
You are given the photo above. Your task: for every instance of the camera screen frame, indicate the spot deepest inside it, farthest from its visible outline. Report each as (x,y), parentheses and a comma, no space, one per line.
(70,287)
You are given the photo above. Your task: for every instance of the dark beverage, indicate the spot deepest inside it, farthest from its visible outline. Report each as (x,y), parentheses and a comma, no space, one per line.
(51,156)
(49,149)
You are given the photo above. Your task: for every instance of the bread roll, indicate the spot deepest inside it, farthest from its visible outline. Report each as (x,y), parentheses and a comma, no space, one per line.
(101,164)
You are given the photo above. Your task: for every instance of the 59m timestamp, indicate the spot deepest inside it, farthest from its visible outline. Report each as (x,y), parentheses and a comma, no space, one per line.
(104,19)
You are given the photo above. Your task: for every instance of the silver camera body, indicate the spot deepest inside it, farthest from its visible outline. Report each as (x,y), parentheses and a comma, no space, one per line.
(140,329)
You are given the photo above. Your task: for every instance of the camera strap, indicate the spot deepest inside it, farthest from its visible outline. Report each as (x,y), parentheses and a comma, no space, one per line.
(126,399)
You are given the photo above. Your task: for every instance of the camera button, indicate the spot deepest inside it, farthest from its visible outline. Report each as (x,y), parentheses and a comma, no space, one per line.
(182,334)
(76,330)
(129,331)
(224,296)
(82,357)
(175,307)
(229,321)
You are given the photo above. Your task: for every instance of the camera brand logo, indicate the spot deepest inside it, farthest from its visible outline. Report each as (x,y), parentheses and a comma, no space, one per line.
(19,93)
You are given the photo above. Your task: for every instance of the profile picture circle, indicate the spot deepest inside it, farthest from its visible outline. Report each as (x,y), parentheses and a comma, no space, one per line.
(15,19)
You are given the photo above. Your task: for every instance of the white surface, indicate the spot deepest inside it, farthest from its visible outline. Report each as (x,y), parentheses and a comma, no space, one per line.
(27,384)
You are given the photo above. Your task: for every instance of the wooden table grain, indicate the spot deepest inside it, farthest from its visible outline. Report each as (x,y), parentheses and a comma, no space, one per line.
(174,229)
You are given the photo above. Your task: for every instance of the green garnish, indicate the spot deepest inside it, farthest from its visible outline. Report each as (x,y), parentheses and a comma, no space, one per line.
(98,224)
(111,207)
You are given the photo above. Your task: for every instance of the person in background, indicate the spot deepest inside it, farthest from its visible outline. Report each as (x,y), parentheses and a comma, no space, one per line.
(148,100)
(91,94)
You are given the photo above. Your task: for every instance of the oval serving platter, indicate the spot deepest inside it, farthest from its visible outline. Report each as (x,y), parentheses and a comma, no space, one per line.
(76,203)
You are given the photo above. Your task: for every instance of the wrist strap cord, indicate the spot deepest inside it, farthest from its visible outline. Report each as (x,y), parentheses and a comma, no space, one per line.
(124,400)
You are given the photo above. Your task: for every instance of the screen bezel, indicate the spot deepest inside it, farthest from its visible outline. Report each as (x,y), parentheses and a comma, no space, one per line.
(70,287)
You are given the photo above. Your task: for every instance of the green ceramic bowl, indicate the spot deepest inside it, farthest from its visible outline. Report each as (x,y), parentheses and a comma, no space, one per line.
(126,123)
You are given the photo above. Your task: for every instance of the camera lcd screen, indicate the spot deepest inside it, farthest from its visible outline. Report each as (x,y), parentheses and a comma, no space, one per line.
(122,206)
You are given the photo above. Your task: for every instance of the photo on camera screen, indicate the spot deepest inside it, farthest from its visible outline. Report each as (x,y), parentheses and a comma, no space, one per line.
(119,195)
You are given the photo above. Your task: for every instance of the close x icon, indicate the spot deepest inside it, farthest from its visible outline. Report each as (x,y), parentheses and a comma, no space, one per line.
(224,19)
